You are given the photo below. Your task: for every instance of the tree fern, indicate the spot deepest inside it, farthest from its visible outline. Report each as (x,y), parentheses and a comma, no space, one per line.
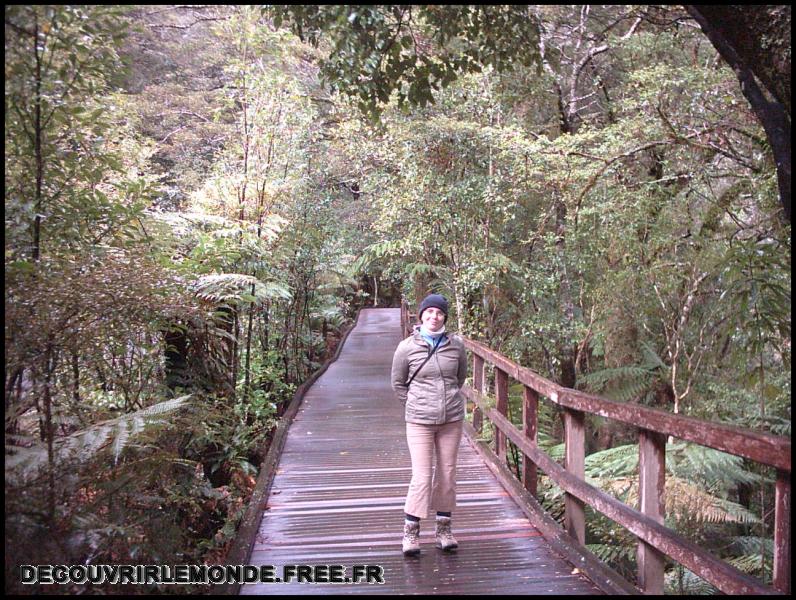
(413,270)
(334,280)
(24,463)
(332,313)
(621,461)
(710,468)
(626,383)
(697,481)
(752,564)
(375,252)
(774,424)
(620,383)
(236,288)
(698,484)
(690,502)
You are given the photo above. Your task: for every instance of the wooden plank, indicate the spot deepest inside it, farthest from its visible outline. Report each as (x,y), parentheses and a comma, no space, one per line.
(652,479)
(725,577)
(530,406)
(478,384)
(575,460)
(782,573)
(760,447)
(502,406)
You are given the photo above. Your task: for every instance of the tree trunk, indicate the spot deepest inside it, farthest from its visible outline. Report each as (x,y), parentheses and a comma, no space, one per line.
(235,359)
(75,378)
(756,43)
(247,367)
(10,383)
(38,150)
(176,357)
(566,353)
(50,358)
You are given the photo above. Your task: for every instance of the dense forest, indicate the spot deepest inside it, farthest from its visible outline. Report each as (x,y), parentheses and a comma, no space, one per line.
(200,198)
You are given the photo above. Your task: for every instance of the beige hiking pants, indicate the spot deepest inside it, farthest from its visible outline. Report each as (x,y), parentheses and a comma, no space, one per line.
(430,492)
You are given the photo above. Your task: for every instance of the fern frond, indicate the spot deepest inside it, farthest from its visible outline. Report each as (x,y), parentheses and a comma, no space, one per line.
(556,452)
(686,500)
(236,288)
(713,468)
(25,463)
(332,313)
(120,441)
(375,252)
(414,269)
(616,471)
(621,461)
(619,383)
(748,563)
(623,488)
(774,424)
(651,358)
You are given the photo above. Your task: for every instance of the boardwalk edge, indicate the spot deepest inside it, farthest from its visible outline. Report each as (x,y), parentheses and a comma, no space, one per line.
(250,524)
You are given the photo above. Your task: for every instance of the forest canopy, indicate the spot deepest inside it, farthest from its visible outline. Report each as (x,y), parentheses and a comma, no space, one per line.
(199,199)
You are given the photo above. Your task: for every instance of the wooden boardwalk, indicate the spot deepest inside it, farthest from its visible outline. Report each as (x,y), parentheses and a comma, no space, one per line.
(337,497)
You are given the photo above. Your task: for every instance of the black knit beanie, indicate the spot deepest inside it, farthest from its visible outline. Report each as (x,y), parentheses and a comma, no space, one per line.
(437,301)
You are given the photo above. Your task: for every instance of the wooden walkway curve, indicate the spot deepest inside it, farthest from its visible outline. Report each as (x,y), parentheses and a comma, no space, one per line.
(337,496)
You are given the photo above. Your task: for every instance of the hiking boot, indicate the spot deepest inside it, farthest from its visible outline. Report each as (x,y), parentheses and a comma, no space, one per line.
(411,544)
(445,539)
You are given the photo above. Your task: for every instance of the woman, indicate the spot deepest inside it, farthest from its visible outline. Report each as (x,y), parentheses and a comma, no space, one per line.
(428,370)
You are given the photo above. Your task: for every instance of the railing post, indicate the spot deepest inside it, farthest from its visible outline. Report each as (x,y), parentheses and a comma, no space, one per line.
(575,438)
(530,403)
(502,406)
(782,532)
(478,385)
(651,483)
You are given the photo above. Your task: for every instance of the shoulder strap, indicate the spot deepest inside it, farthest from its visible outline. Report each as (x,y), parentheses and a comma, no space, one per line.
(433,350)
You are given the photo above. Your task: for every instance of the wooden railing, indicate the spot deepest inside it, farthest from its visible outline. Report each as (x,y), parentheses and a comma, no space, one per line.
(646,523)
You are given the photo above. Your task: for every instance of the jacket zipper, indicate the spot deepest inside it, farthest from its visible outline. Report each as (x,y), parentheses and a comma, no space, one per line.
(443,411)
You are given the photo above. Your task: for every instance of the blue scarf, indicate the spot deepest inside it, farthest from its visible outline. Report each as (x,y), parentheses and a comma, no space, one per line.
(433,338)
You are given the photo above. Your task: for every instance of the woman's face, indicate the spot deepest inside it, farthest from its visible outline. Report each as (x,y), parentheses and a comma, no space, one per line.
(433,319)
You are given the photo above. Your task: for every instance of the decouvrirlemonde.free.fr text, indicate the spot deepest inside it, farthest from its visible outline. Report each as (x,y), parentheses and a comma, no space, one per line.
(199,574)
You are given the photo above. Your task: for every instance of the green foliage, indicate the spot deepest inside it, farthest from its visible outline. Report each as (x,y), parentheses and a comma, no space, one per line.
(709,468)
(235,288)
(378,50)
(26,462)
(267,390)
(628,383)
(68,185)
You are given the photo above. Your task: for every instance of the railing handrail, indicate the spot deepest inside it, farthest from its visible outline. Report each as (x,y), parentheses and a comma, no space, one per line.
(653,424)
(760,447)
(659,536)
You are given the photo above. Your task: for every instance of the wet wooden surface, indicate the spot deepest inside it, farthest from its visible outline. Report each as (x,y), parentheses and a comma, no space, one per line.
(337,498)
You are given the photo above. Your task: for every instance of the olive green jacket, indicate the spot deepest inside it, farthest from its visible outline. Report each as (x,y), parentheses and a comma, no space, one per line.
(434,397)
